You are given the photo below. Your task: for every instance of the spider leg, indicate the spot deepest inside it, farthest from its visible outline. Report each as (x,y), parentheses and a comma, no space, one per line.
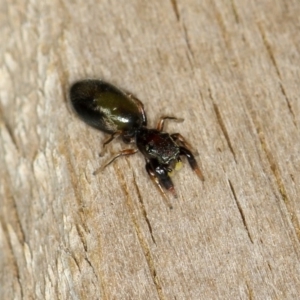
(192,161)
(162,180)
(124,152)
(161,121)
(108,140)
(177,137)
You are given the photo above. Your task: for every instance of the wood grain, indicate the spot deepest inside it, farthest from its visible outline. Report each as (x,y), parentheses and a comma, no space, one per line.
(231,70)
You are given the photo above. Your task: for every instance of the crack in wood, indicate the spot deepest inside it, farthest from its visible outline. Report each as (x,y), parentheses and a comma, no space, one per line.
(84,243)
(235,13)
(250,291)
(76,262)
(240,211)
(95,274)
(187,40)
(76,187)
(189,52)
(175,9)
(13,210)
(222,126)
(81,236)
(92,267)
(142,241)
(143,208)
(288,103)
(9,129)
(14,260)
(278,179)
(222,26)
(11,134)
(273,60)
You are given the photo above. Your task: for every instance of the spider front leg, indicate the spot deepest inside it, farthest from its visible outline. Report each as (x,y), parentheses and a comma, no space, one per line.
(161,121)
(192,161)
(178,138)
(159,175)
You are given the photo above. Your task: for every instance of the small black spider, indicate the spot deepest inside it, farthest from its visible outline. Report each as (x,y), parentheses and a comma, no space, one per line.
(117,113)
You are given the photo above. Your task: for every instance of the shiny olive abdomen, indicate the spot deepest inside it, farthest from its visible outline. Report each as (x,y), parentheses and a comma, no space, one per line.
(105,107)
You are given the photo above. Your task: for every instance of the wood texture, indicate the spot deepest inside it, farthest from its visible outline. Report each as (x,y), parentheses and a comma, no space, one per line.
(231,70)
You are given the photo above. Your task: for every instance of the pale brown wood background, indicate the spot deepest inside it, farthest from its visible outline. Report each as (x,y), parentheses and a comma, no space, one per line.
(232,70)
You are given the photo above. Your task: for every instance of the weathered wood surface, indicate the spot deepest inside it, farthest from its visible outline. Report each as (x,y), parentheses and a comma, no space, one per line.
(232,70)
